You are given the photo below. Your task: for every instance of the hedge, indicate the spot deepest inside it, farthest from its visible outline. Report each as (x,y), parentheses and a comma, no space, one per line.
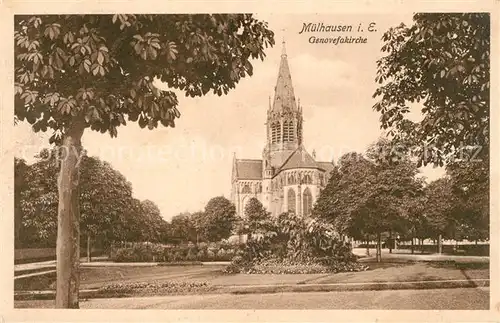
(174,253)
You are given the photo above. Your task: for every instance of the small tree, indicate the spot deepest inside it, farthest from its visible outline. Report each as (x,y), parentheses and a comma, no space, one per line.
(220,217)
(257,219)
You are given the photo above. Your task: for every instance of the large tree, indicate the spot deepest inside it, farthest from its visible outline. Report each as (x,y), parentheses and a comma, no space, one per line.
(20,184)
(105,201)
(366,197)
(220,219)
(440,64)
(440,209)
(183,228)
(38,201)
(156,225)
(105,198)
(78,72)
(471,187)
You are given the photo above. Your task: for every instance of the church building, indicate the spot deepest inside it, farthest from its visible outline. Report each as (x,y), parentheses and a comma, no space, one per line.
(287,178)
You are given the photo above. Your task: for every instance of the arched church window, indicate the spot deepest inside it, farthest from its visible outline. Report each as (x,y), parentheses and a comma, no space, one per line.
(307,201)
(307,179)
(246,189)
(291,200)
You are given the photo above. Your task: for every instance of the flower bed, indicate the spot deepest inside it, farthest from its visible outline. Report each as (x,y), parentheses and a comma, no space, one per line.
(285,266)
(153,288)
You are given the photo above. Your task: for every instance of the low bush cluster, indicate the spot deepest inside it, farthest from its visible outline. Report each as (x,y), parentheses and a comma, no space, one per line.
(175,253)
(295,245)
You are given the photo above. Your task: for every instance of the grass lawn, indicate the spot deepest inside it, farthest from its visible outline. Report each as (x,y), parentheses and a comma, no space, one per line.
(211,276)
(95,277)
(410,271)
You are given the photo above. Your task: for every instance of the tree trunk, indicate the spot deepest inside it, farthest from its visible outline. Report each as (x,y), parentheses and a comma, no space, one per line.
(412,245)
(390,241)
(68,220)
(367,246)
(440,244)
(379,248)
(89,259)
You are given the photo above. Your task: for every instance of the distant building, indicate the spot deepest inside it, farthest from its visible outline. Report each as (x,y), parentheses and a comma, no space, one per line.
(287,178)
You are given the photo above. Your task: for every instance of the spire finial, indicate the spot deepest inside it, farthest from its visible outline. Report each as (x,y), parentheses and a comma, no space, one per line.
(283,50)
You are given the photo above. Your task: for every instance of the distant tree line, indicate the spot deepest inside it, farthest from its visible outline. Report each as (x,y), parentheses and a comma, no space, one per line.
(379,195)
(109,212)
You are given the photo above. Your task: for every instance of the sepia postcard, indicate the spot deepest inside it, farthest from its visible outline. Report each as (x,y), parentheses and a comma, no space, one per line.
(250,161)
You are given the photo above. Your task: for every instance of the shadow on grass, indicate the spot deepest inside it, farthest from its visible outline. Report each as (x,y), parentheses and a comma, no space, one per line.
(41,282)
(450,264)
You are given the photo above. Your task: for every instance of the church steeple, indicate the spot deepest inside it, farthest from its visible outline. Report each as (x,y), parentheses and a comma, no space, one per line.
(284,118)
(284,96)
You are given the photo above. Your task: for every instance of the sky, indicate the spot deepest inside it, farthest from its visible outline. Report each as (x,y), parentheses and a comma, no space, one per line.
(181,168)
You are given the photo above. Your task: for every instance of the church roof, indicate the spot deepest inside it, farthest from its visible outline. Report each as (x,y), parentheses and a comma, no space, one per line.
(284,97)
(300,158)
(248,169)
(327,166)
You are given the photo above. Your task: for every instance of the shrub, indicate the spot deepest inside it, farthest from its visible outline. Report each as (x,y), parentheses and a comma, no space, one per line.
(296,245)
(170,253)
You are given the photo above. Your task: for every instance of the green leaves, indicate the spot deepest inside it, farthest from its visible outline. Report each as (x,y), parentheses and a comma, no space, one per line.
(98,69)
(29,96)
(147,47)
(67,106)
(119,56)
(52,31)
(440,61)
(171,51)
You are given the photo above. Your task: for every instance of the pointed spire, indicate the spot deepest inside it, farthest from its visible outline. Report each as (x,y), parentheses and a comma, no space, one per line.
(284,97)
(283,49)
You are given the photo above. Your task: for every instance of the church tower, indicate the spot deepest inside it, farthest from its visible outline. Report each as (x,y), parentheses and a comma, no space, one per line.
(284,118)
(287,178)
